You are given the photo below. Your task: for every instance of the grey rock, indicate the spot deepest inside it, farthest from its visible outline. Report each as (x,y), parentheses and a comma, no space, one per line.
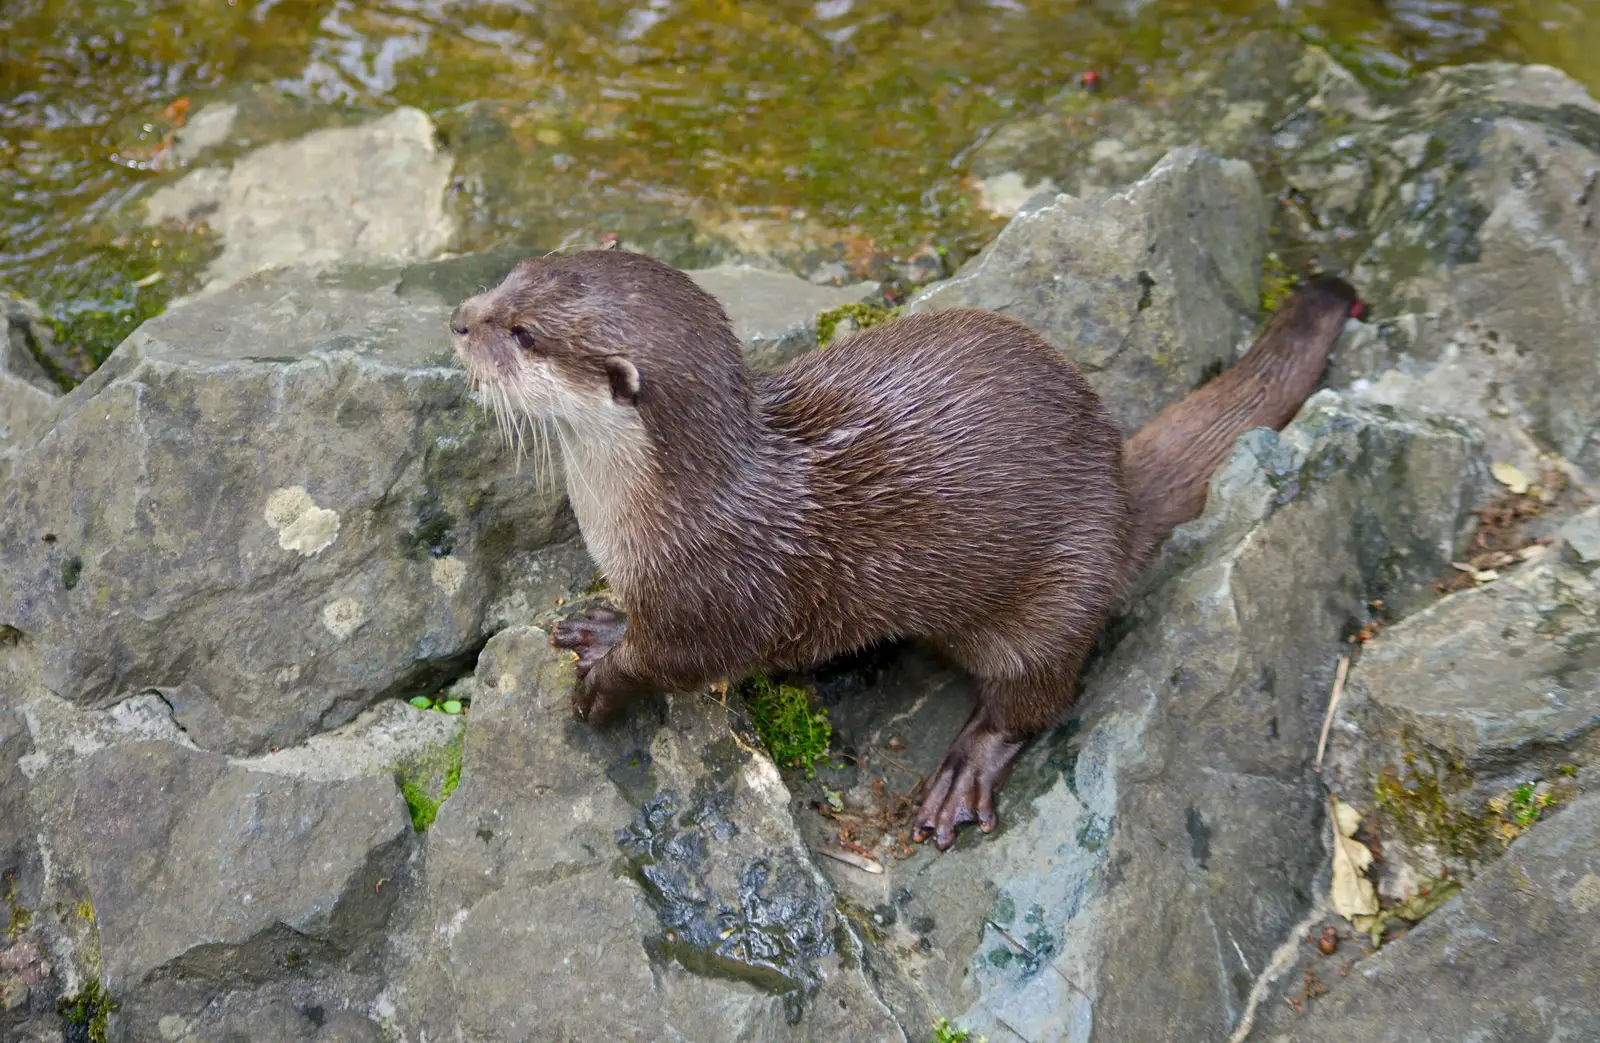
(1463,203)
(1155,851)
(1147,289)
(342,195)
(29,981)
(1475,191)
(1511,959)
(205,130)
(26,413)
(208,893)
(1006,193)
(282,1014)
(153,824)
(1582,534)
(774,313)
(276,507)
(28,338)
(1462,701)
(196,196)
(641,883)
(16,825)
(28,397)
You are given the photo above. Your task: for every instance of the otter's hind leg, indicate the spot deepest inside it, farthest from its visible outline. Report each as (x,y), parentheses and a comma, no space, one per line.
(1011,711)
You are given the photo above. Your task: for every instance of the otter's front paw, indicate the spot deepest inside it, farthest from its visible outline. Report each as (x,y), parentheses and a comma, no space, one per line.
(591,635)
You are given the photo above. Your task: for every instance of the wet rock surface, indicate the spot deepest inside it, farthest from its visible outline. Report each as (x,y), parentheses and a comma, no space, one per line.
(341,195)
(644,883)
(28,396)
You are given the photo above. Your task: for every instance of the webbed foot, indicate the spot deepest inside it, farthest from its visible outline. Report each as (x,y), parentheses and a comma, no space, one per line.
(962,789)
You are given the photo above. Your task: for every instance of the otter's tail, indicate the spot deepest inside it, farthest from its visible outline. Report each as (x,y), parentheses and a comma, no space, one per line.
(1169,461)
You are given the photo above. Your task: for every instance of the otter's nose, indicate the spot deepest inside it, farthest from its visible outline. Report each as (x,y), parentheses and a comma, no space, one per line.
(458,323)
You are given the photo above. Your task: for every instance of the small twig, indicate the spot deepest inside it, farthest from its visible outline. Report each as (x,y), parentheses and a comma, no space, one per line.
(850,858)
(1333,704)
(896,764)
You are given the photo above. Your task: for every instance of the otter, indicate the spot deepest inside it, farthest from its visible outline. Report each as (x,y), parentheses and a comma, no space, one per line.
(948,477)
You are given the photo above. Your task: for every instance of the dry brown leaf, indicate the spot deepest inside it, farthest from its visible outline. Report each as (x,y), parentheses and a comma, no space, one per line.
(1353,894)
(1348,819)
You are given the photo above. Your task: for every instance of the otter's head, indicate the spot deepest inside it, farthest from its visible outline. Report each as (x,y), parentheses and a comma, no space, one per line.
(597,339)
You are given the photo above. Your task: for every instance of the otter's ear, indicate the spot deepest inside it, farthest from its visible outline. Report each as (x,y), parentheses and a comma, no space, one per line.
(624,378)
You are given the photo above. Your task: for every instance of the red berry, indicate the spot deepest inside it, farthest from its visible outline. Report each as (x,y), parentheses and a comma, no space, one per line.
(1358,309)
(1090,80)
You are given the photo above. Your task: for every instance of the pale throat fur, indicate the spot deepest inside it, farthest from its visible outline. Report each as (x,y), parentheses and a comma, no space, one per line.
(605,448)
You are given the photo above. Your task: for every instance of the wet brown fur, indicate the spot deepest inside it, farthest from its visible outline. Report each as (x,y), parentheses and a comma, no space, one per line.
(948,476)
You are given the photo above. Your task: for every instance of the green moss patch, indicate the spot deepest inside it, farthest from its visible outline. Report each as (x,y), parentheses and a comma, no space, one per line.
(1414,800)
(861,316)
(944,1032)
(794,733)
(1513,812)
(1277,283)
(109,288)
(427,782)
(19,918)
(89,1012)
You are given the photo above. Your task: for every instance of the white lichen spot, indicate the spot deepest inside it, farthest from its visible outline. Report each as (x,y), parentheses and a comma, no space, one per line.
(1586,893)
(458,920)
(288,675)
(507,682)
(344,617)
(449,573)
(300,524)
(762,776)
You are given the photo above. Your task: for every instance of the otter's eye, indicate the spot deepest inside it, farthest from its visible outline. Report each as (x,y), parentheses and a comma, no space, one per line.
(524,337)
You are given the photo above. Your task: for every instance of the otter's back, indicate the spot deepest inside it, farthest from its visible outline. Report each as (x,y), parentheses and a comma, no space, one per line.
(957,464)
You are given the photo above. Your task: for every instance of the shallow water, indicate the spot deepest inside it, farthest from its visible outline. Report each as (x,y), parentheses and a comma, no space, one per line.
(850,114)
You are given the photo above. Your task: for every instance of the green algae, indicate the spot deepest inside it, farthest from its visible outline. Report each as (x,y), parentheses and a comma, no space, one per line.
(850,125)
(861,316)
(1277,283)
(1427,801)
(19,918)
